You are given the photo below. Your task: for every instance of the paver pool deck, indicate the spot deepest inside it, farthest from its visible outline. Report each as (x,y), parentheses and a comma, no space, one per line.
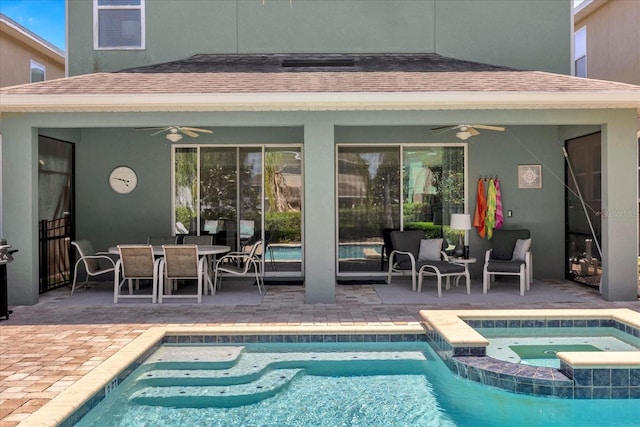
(47,347)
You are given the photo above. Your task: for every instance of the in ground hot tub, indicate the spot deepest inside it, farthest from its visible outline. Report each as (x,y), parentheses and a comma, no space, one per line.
(608,374)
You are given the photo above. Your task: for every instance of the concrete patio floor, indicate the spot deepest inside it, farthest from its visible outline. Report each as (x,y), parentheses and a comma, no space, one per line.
(48,346)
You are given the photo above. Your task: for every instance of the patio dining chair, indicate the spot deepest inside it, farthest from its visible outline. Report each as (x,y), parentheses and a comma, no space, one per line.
(136,263)
(241,263)
(181,263)
(91,260)
(414,254)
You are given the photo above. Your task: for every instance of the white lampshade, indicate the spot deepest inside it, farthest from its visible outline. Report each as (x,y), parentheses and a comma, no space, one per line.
(463,135)
(460,222)
(174,137)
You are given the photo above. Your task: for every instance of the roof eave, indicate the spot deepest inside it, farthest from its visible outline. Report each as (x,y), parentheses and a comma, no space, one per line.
(315,101)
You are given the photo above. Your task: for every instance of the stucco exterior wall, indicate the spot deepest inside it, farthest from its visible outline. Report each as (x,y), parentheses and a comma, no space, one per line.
(491,31)
(613,40)
(15,65)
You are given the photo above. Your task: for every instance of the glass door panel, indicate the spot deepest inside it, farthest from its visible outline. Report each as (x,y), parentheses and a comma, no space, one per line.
(368,202)
(185,169)
(250,188)
(283,209)
(219,194)
(433,188)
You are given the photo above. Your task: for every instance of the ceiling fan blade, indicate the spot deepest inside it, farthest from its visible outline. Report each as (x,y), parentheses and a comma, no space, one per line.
(160,131)
(188,132)
(153,128)
(197,129)
(472,131)
(496,128)
(444,127)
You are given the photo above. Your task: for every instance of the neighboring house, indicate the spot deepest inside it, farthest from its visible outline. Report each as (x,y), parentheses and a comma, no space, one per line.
(344,96)
(27,57)
(607,40)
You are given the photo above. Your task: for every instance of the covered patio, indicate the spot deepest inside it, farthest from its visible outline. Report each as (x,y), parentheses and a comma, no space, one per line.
(323,113)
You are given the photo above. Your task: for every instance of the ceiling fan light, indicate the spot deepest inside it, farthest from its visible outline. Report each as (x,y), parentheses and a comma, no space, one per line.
(463,135)
(174,137)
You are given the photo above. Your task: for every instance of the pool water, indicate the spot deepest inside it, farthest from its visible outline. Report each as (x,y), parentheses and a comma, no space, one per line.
(538,346)
(329,384)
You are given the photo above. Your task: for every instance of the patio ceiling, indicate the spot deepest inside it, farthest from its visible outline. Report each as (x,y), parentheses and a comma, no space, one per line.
(317,83)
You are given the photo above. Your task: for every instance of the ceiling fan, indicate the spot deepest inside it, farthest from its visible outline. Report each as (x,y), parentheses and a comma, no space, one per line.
(174,133)
(467,131)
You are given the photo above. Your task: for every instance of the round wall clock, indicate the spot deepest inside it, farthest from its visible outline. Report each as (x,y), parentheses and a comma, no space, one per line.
(123,180)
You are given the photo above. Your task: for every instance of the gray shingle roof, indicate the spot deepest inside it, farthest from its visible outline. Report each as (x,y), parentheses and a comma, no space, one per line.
(222,74)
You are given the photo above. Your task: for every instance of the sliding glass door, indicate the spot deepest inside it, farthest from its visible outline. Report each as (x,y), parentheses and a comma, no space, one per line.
(242,194)
(384,188)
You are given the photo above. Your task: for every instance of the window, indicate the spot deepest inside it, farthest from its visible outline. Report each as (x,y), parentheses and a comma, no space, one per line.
(118,24)
(580,52)
(38,72)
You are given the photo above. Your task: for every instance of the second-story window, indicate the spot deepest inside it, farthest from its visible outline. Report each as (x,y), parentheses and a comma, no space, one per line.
(118,24)
(580,52)
(38,72)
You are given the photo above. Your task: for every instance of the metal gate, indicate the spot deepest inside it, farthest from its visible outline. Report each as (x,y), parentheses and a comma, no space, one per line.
(55,253)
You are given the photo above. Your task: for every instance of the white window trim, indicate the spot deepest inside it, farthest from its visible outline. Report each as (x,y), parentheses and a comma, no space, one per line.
(96,26)
(36,64)
(576,58)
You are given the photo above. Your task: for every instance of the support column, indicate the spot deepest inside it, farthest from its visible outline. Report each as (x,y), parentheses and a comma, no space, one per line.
(20,208)
(620,208)
(319,212)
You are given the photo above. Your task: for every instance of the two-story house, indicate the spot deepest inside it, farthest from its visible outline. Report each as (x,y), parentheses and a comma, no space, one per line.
(316,124)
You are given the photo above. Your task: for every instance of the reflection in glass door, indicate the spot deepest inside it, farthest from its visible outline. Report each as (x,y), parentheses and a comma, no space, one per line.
(223,191)
(394,188)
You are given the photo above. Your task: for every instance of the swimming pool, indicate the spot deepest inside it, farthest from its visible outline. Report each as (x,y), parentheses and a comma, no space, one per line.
(327,384)
(443,386)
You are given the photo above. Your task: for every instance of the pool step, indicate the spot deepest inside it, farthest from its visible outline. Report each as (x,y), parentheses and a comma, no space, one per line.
(250,366)
(232,395)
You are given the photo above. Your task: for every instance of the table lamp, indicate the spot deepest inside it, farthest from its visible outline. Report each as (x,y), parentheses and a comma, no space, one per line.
(461,222)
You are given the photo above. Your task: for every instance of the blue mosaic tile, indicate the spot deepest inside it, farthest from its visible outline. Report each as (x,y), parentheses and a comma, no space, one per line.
(514,323)
(566,323)
(277,338)
(583,393)
(593,323)
(553,324)
(634,392)
(619,392)
(501,324)
(580,323)
(620,377)
(528,323)
(565,392)
(601,393)
(634,377)
(602,377)
(583,377)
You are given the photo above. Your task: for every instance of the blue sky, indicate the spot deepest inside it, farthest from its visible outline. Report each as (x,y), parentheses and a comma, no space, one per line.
(43,17)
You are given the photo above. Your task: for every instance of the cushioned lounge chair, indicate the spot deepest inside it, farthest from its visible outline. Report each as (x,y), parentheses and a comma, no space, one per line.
(510,256)
(421,257)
